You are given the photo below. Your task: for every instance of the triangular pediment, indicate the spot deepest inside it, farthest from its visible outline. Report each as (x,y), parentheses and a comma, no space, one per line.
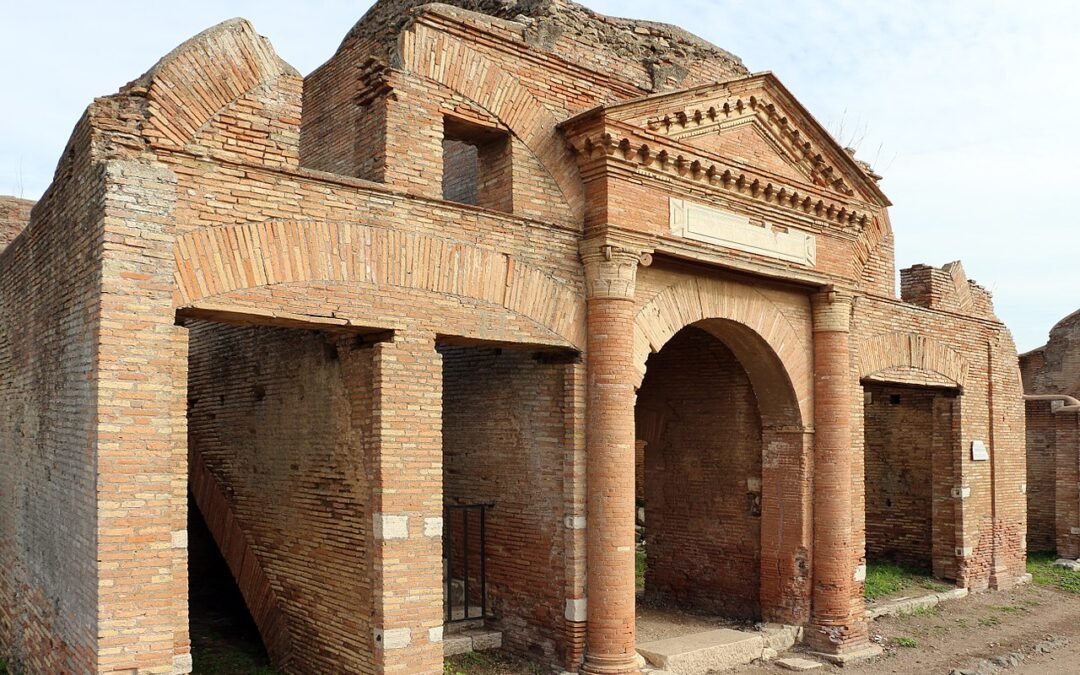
(754,122)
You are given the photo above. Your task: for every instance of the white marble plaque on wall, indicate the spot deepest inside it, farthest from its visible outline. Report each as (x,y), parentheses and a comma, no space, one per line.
(715,226)
(979,453)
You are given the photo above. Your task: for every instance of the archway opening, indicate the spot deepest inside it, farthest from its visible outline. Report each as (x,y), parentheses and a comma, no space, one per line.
(711,402)
(910,447)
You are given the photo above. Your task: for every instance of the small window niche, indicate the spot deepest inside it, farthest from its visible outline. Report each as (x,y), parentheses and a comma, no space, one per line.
(477,168)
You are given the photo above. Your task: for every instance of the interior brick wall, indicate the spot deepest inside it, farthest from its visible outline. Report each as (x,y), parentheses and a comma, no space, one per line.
(1041,477)
(909,451)
(271,416)
(503,443)
(698,415)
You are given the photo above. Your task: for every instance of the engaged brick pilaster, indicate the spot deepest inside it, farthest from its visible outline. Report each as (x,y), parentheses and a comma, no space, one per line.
(142,622)
(609,432)
(406,467)
(835,626)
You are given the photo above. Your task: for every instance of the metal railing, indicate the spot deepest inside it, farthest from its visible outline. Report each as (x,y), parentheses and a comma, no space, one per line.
(465,554)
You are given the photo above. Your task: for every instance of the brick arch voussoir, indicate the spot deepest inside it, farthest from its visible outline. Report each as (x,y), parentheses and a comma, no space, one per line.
(912,351)
(215,261)
(694,301)
(483,81)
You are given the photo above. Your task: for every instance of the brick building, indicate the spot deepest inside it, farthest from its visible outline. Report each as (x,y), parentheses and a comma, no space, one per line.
(1051,376)
(482,257)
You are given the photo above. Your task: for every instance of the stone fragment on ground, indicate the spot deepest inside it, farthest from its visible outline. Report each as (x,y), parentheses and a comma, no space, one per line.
(1072,565)
(798,665)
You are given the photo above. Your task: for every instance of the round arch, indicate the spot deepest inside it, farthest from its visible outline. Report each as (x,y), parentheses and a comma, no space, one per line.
(217,261)
(778,360)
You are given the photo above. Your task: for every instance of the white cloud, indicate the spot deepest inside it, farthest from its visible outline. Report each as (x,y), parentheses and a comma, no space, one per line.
(966,106)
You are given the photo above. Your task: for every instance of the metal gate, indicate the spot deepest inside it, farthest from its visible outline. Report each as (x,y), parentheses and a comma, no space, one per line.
(465,561)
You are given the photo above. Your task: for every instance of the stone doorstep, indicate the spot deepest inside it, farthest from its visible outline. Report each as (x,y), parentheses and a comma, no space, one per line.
(699,653)
(471,640)
(908,605)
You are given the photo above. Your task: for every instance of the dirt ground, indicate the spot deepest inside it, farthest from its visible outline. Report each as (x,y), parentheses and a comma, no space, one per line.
(1031,630)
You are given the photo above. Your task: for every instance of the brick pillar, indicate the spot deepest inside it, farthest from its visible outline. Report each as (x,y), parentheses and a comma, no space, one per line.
(609,436)
(837,621)
(1066,427)
(407,508)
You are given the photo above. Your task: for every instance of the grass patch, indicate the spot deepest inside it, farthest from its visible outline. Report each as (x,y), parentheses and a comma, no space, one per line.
(884,579)
(489,663)
(905,642)
(988,621)
(1042,570)
(1010,609)
(639,568)
(923,611)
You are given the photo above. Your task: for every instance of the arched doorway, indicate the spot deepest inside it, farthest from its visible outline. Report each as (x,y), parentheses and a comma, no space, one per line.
(721,479)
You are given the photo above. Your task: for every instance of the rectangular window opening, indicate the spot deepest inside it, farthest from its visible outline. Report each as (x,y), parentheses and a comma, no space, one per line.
(477,167)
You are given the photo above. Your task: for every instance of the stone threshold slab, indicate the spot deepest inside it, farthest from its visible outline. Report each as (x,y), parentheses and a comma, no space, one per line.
(908,605)
(720,649)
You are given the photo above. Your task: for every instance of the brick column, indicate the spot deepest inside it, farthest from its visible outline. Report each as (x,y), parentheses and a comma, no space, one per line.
(407,508)
(835,627)
(609,436)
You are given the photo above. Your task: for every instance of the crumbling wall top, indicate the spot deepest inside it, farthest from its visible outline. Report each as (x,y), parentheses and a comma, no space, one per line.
(1054,368)
(657,56)
(14,216)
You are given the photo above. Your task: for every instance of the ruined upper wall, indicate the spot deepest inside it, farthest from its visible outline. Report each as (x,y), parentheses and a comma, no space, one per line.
(945,288)
(1054,368)
(14,216)
(653,56)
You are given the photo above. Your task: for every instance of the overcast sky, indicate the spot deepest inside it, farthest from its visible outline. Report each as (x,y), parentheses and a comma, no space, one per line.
(968,108)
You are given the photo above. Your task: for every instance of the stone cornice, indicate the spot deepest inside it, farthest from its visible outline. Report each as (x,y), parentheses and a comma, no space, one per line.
(705,171)
(792,142)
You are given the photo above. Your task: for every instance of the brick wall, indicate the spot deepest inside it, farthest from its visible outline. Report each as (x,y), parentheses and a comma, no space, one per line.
(698,415)
(14,215)
(916,345)
(1041,476)
(503,421)
(909,450)
(50,283)
(271,416)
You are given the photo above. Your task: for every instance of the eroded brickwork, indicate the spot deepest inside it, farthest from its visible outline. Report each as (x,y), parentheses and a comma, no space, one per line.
(1053,443)
(14,215)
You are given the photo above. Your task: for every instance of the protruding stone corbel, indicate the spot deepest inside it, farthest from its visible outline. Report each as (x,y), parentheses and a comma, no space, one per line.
(611,268)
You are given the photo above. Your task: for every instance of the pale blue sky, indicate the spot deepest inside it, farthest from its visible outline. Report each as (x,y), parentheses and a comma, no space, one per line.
(966,107)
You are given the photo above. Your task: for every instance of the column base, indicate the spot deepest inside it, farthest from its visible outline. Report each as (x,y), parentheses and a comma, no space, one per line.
(840,643)
(601,664)
(855,655)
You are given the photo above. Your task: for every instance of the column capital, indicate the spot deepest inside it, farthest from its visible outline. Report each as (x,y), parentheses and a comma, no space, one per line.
(832,310)
(611,267)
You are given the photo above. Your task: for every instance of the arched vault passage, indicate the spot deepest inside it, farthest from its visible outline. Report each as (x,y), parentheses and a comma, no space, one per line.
(777,359)
(212,262)
(912,359)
